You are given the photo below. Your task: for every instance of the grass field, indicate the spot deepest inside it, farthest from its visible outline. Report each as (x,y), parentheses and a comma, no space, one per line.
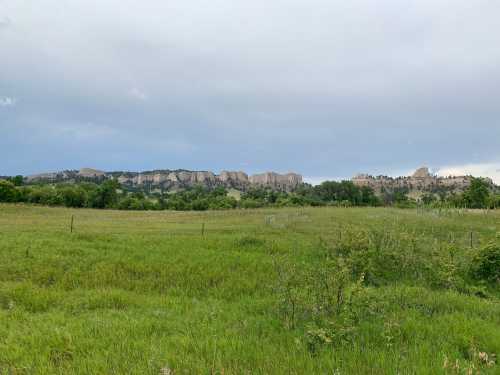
(285,291)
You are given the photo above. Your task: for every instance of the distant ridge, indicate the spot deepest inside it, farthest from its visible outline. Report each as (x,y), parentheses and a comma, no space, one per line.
(167,179)
(420,181)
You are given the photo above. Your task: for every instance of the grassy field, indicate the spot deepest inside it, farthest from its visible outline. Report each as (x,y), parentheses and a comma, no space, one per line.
(285,291)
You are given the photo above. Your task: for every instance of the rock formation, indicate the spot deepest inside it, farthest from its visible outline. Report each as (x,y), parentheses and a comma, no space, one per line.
(421,181)
(70,176)
(90,173)
(50,176)
(285,182)
(422,173)
(177,179)
(238,180)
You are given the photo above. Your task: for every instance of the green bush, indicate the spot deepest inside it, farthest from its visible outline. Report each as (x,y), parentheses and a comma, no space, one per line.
(74,196)
(486,263)
(8,192)
(45,195)
(200,204)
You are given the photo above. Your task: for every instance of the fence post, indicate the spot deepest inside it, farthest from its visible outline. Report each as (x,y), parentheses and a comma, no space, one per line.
(71,227)
(471,240)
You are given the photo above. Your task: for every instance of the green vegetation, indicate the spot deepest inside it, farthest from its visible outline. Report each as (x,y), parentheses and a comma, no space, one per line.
(110,194)
(480,194)
(266,291)
(477,195)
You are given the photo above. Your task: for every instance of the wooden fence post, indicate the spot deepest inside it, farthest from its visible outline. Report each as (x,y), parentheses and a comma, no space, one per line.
(71,227)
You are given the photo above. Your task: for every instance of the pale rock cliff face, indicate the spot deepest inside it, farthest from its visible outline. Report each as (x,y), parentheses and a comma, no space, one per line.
(123,179)
(41,176)
(229,179)
(203,178)
(159,178)
(54,176)
(287,181)
(69,176)
(178,179)
(238,180)
(422,173)
(90,173)
(184,177)
(420,181)
(172,177)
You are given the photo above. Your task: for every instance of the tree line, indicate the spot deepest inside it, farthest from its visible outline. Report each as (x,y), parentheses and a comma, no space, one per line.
(110,194)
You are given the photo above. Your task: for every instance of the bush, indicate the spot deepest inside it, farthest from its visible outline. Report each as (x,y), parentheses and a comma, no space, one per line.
(105,196)
(222,202)
(8,192)
(321,299)
(45,195)
(200,204)
(73,196)
(251,203)
(486,263)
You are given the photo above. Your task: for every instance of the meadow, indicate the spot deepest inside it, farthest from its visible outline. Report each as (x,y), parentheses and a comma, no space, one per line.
(261,291)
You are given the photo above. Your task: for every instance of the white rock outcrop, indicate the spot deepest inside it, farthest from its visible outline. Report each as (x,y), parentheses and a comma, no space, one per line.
(178,179)
(420,181)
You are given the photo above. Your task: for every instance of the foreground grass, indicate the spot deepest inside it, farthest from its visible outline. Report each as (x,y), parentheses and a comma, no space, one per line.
(144,292)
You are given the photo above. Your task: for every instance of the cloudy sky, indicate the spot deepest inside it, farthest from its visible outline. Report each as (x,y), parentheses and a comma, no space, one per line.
(325,88)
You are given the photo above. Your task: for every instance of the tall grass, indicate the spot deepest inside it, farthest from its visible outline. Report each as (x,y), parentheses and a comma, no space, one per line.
(309,290)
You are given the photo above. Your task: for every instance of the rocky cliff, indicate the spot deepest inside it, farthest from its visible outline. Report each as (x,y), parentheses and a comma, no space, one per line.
(421,181)
(177,179)
(281,182)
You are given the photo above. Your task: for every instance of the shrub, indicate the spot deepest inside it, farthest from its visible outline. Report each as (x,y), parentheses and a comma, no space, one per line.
(105,196)
(8,192)
(322,298)
(73,196)
(486,263)
(251,203)
(45,195)
(200,204)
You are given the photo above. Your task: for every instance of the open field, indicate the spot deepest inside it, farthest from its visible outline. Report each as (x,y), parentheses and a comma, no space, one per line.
(286,291)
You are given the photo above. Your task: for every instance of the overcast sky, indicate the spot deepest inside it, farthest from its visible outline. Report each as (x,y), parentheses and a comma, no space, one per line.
(325,88)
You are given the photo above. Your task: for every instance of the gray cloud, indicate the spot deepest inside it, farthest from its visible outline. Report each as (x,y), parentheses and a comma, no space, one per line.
(327,88)
(7,102)
(137,94)
(5,22)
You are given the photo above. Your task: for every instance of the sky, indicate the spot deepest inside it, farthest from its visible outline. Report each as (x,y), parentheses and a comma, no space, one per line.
(324,88)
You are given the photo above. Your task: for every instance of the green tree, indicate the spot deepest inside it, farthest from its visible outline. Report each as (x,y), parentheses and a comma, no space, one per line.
(73,196)
(368,197)
(8,192)
(105,196)
(17,180)
(477,194)
(327,191)
(494,201)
